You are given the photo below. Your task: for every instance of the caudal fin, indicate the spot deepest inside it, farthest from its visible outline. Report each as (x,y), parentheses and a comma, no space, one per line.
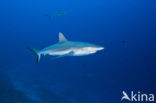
(36,52)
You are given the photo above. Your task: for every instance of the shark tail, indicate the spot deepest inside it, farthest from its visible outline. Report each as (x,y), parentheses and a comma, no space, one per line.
(36,52)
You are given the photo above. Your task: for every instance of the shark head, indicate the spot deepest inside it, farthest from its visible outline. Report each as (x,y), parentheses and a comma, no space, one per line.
(86,49)
(97,48)
(92,49)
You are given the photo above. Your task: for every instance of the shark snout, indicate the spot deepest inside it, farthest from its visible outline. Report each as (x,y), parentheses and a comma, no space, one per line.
(95,48)
(99,48)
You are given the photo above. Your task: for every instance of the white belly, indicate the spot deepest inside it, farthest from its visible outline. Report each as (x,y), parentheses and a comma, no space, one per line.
(83,52)
(71,52)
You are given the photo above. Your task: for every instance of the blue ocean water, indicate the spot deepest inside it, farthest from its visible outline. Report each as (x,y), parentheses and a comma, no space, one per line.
(126,28)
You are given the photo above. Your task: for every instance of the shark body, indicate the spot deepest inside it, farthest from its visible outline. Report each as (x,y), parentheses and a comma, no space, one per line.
(67,48)
(58,13)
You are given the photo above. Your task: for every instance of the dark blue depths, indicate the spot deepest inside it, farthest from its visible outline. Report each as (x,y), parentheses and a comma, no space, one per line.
(124,27)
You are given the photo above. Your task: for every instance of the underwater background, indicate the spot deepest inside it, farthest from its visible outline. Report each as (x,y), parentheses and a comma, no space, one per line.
(126,28)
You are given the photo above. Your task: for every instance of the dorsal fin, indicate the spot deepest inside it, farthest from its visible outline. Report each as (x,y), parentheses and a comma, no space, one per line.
(62,38)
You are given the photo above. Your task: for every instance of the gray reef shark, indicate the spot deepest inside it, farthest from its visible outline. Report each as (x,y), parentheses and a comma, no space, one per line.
(67,48)
(58,13)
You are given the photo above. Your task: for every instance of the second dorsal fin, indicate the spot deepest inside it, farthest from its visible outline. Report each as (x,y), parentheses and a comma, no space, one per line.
(62,38)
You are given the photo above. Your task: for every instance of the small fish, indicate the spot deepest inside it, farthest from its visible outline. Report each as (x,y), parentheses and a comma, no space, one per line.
(67,48)
(124,42)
